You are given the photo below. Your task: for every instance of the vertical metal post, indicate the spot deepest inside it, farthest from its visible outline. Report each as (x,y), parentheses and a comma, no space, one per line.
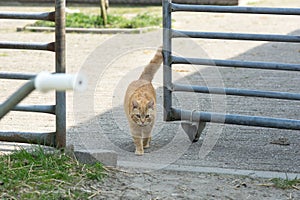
(167,62)
(60,67)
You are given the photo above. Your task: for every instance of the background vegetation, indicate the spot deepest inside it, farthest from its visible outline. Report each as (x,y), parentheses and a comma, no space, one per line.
(118,17)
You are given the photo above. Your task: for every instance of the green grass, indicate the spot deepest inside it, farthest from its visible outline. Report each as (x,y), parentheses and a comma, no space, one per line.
(41,175)
(3,54)
(123,9)
(119,9)
(81,20)
(286,183)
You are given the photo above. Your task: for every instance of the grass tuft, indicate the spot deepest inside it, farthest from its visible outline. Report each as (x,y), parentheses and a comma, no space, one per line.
(286,183)
(81,20)
(42,175)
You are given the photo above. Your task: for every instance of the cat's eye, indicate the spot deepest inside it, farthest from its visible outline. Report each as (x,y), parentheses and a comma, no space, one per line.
(138,116)
(147,116)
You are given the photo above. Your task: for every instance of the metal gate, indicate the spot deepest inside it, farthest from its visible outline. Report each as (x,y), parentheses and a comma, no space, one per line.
(172,114)
(57,138)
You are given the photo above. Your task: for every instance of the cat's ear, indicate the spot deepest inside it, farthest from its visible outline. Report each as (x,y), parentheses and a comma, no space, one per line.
(135,104)
(151,104)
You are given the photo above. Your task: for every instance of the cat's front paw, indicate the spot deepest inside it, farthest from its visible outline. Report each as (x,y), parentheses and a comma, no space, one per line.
(139,152)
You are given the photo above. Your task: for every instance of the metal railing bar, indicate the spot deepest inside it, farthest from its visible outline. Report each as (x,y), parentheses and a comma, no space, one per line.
(234,9)
(268,122)
(48,16)
(236,92)
(31,46)
(236,36)
(16,97)
(50,109)
(28,137)
(19,76)
(236,63)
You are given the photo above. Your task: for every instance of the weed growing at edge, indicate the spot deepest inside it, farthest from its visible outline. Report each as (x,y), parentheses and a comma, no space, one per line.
(285,183)
(42,175)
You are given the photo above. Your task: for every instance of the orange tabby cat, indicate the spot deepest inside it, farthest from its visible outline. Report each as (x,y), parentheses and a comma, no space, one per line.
(140,105)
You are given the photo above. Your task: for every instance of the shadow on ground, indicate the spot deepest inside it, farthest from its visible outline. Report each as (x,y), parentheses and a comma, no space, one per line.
(236,147)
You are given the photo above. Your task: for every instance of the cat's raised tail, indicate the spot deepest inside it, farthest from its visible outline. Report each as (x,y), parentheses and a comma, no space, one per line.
(153,66)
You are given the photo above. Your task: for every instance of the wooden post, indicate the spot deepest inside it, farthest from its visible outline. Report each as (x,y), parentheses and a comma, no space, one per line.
(103,7)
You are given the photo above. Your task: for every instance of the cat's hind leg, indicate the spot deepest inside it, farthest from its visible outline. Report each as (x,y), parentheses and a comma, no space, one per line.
(138,142)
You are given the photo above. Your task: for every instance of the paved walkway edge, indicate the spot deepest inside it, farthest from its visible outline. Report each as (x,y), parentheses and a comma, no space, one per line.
(217,170)
(107,158)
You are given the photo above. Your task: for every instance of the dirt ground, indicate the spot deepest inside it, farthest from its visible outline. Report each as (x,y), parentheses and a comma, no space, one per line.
(169,185)
(130,183)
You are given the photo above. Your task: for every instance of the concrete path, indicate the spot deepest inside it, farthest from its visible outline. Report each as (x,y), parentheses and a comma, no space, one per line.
(222,148)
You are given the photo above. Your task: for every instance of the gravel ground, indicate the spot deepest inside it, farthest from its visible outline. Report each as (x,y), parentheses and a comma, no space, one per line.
(124,184)
(237,147)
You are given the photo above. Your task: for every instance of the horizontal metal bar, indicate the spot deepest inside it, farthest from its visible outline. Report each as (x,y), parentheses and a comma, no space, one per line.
(31,46)
(27,137)
(48,16)
(9,75)
(50,109)
(234,9)
(236,63)
(179,114)
(236,36)
(236,92)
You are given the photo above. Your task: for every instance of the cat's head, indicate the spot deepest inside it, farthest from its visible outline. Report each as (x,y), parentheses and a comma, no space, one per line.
(142,112)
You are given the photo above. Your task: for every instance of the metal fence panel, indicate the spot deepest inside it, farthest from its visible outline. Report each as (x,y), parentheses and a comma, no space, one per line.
(173,114)
(58,138)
